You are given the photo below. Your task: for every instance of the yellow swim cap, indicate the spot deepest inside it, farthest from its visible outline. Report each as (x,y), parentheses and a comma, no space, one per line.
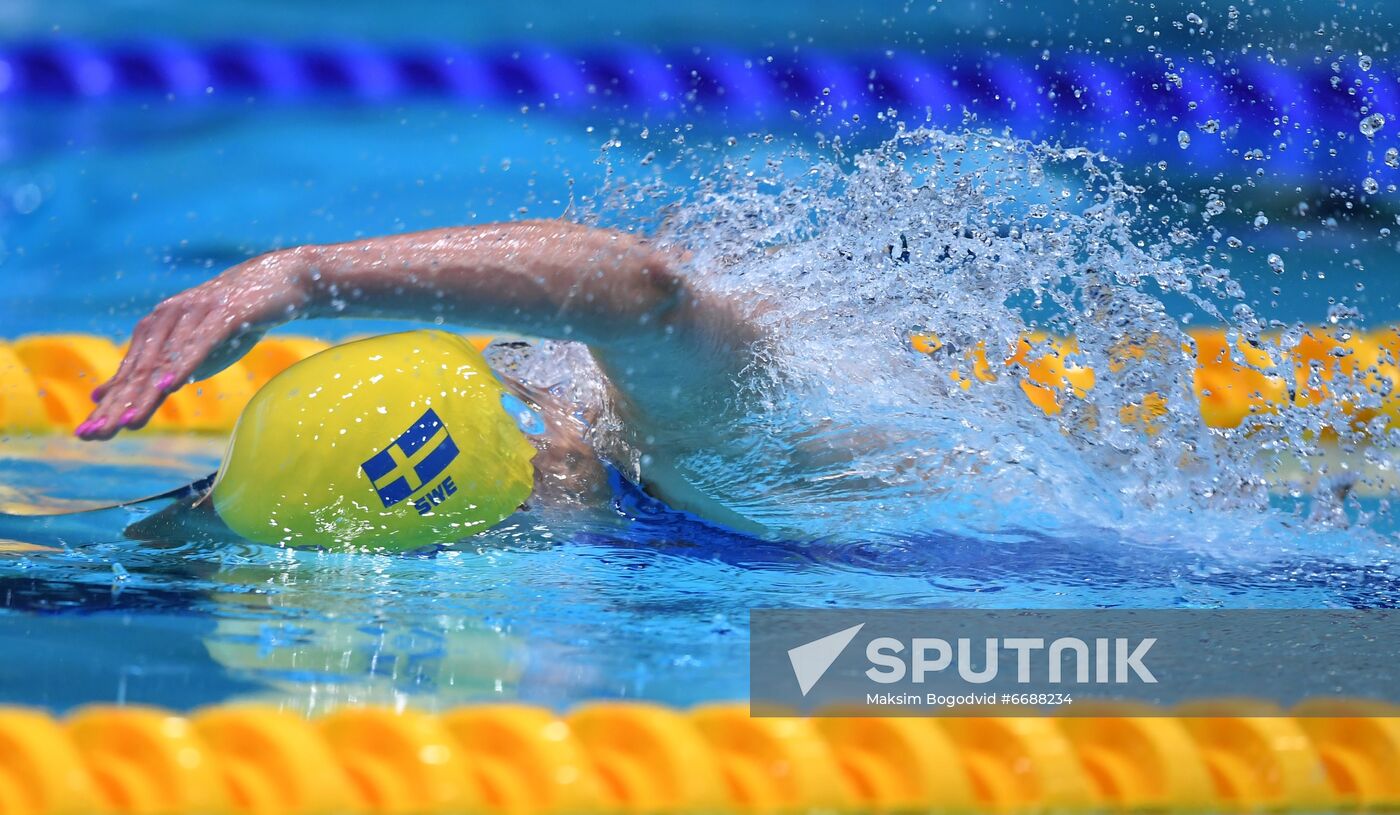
(393,442)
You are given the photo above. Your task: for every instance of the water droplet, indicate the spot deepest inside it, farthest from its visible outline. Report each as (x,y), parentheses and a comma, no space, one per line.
(1260,221)
(1195,19)
(1184,139)
(1215,206)
(27,198)
(1372,125)
(1275,263)
(1364,62)
(1392,158)
(1370,185)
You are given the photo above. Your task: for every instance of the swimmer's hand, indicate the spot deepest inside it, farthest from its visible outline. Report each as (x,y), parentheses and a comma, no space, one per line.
(194,335)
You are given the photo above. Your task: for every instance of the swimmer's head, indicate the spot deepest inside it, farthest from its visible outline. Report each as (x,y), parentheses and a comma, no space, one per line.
(391,443)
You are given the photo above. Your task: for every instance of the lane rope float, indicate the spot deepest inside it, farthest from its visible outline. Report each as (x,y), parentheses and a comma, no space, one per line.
(45,379)
(637,757)
(1088,100)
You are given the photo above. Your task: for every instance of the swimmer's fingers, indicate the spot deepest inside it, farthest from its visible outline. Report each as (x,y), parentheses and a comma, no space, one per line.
(119,408)
(187,345)
(139,385)
(203,343)
(116,398)
(146,339)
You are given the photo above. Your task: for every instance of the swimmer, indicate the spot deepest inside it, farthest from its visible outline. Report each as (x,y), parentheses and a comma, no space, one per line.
(674,356)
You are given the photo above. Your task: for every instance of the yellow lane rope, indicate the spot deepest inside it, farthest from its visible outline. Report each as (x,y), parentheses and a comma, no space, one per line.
(616,757)
(45,380)
(1232,380)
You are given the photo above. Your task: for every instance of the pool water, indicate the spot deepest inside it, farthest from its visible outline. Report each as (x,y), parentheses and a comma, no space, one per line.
(111,209)
(654,607)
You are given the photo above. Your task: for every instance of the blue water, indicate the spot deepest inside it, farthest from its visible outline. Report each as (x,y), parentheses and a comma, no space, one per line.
(106,209)
(656,608)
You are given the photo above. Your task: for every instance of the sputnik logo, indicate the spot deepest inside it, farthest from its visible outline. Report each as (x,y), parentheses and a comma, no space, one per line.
(811,660)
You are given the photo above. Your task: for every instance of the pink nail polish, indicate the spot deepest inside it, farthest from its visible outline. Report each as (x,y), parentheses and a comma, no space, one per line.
(81,429)
(125,417)
(166,381)
(96,425)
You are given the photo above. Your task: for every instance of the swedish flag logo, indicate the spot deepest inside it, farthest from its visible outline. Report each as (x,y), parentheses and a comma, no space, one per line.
(415,458)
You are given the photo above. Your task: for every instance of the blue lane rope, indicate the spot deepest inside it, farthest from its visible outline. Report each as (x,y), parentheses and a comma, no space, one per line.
(1096,102)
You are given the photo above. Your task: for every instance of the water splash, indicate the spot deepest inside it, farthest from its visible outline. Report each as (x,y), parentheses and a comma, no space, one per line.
(978,240)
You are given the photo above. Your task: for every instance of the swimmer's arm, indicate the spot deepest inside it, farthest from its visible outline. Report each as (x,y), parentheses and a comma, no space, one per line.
(619,294)
(552,279)
(549,279)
